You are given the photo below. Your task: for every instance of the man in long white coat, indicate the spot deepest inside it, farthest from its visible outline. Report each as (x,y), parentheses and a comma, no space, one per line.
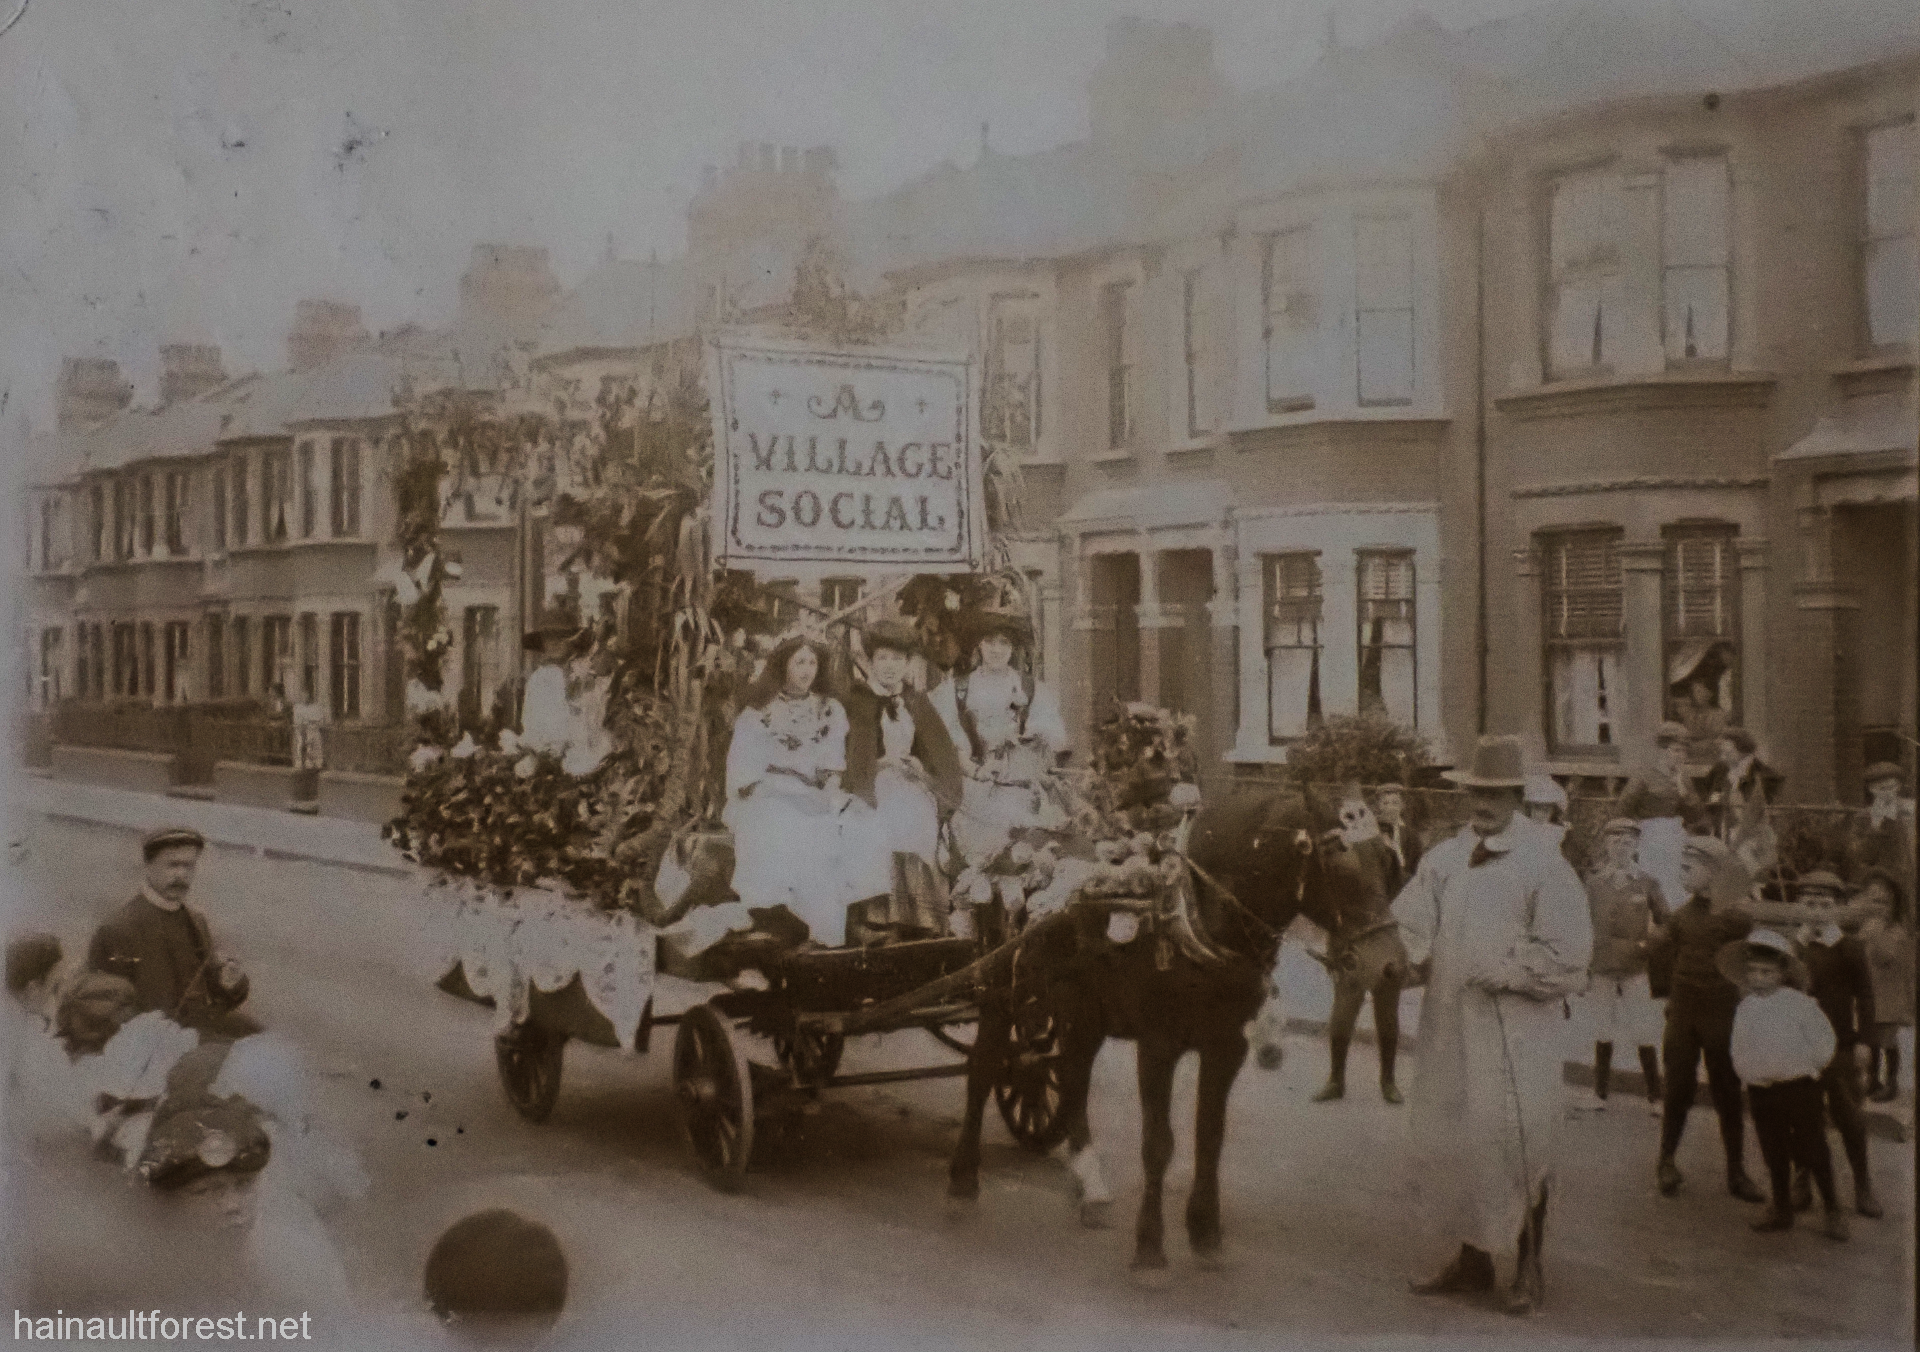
(1498,923)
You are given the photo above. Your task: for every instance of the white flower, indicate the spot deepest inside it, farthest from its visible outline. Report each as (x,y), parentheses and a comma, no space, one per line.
(509,741)
(466,747)
(953,600)
(405,591)
(452,569)
(525,767)
(581,759)
(1184,796)
(423,756)
(421,700)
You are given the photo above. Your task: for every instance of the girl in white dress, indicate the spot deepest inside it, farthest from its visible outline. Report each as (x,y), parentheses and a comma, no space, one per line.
(1008,730)
(784,799)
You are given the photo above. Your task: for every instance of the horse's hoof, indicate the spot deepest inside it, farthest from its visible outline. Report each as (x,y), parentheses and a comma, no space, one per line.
(1157,1278)
(1096,1215)
(1268,1057)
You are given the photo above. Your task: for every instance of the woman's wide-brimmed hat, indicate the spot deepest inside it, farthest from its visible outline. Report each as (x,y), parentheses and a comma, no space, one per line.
(536,640)
(1732,957)
(1010,624)
(1880,770)
(1544,790)
(1621,826)
(1821,880)
(895,634)
(1672,734)
(1498,763)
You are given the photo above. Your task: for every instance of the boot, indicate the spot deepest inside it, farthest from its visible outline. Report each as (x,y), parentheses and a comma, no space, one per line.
(1865,1202)
(1390,1092)
(1836,1224)
(1470,1271)
(1667,1175)
(1890,1087)
(1602,1069)
(1774,1219)
(1802,1190)
(1333,1089)
(1650,1070)
(1739,1185)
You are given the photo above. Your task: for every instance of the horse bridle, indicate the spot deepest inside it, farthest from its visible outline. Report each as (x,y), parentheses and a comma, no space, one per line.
(1304,843)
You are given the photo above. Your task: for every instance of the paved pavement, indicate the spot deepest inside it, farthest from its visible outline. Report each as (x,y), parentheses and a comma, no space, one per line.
(844,1240)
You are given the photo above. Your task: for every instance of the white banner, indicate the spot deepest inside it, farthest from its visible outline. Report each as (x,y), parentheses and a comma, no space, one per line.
(864,458)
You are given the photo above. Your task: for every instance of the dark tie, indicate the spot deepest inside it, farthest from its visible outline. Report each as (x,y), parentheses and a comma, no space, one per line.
(1481,854)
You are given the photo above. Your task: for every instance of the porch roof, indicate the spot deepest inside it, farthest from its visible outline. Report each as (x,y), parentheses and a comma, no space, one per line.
(1872,424)
(1150,506)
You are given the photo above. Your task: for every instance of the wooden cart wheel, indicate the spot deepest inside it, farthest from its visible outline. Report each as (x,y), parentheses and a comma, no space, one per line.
(811,1056)
(529,1058)
(1029,1093)
(714,1084)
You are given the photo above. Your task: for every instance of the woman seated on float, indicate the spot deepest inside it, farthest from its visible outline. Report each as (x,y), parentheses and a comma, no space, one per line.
(1008,728)
(904,775)
(784,798)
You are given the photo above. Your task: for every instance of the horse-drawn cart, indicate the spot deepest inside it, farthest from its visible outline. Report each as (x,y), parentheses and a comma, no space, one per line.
(815,998)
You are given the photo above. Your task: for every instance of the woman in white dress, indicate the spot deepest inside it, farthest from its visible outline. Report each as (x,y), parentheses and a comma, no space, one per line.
(1008,730)
(784,799)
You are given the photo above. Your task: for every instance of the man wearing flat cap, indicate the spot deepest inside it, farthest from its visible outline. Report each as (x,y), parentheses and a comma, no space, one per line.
(164,947)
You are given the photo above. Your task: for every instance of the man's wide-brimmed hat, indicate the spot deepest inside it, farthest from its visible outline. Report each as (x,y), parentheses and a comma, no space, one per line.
(1880,770)
(895,634)
(1821,880)
(1498,763)
(166,837)
(1732,957)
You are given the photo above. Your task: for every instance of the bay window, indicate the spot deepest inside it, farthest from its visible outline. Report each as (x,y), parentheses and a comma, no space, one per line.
(1011,415)
(1290,316)
(1890,266)
(1586,288)
(1695,254)
(1383,310)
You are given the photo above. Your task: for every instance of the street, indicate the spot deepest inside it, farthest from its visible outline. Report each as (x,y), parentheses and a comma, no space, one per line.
(843,1239)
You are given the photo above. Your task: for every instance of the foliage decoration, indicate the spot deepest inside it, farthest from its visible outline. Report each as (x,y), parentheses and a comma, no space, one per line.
(1139,754)
(1363,748)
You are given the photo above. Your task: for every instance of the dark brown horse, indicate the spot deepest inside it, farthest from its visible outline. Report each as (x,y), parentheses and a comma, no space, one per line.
(1261,860)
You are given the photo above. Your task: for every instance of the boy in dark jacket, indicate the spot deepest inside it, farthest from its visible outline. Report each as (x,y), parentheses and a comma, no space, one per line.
(1700,1007)
(1843,987)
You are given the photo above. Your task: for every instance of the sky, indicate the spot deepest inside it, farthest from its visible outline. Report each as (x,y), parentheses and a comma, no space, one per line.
(187,170)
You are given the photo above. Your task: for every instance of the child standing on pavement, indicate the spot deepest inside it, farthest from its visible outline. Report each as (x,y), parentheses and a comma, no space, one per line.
(1782,1042)
(1889,946)
(1627,907)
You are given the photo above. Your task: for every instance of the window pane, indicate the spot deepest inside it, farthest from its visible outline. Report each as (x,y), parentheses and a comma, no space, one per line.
(1893,290)
(1294,690)
(1291,317)
(1386,356)
(1383,261)
(1585,682)
(1694,222)
(1696,312)
(1891,170)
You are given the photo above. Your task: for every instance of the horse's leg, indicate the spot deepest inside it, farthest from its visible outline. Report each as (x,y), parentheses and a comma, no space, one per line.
(984,1069)
(1265,1030)
(1157,1057)
(1220,1063)
(1348,996)
(1079,1048)
(1386,1029)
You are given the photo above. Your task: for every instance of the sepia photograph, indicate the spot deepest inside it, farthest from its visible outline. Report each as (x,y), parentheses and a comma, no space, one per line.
(866,676)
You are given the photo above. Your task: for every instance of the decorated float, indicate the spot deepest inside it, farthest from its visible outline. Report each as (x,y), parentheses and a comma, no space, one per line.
(572,825)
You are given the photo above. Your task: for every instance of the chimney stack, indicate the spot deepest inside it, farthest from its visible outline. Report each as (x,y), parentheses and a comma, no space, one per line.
(90,391)
(323,330)
(188,370)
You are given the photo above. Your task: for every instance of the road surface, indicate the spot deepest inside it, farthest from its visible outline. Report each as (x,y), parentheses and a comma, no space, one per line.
(845,1240)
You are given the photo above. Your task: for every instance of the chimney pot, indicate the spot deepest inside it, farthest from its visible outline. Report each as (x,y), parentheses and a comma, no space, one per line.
(90,391)
(188,370)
